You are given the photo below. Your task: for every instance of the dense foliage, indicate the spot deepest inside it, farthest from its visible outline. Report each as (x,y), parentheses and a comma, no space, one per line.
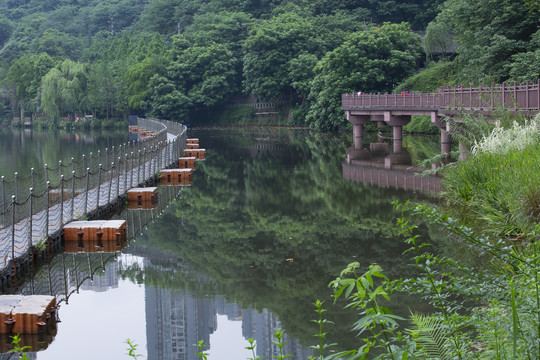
(165,58)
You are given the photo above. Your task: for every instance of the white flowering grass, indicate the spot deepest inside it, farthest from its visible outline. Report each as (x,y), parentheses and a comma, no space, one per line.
(518,137)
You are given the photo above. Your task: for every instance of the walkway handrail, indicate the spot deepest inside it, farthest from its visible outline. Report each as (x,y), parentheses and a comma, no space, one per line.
(37,205)
(514,97)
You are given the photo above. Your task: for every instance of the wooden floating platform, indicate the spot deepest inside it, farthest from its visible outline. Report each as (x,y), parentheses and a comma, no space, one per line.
(104,230)
(187,162)
(192,141)
(192,146)
(139,195)
(199,154)
(25,314)
(95,236)
(176,177)
(94,246)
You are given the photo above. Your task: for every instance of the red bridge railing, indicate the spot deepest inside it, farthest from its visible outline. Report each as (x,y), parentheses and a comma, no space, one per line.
(514,97)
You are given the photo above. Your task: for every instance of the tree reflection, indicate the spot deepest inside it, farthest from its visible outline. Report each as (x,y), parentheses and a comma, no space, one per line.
(270,226)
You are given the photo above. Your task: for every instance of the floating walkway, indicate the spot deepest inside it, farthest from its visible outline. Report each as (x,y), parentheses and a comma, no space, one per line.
(41,203)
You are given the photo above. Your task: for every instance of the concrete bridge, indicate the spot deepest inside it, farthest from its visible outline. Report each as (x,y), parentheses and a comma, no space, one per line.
(396,110)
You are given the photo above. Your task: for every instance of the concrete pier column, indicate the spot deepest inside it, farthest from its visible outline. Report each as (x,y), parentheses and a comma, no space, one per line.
(398,138)
(358,122)
(397,123)
(445,138)
(445,142)
(358,135)
(464,151)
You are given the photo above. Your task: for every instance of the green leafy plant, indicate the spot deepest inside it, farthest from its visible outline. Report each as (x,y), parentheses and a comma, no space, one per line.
(251,347)
(19,350)
(280,343)
(321,347)
(132,349)
(201,346)
(378,326)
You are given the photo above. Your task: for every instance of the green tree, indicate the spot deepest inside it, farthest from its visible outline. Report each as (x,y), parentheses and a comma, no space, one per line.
(64,89)
(6,27)
(166,101)
(270,47)
(488,34)
(370,61)
(25,75)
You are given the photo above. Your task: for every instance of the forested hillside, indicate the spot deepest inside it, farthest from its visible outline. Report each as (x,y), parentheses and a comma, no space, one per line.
(165,58)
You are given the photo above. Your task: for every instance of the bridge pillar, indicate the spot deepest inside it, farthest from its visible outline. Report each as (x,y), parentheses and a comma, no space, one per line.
(397,123)
(358,122)
(445,138)
(464,151)
(379,119)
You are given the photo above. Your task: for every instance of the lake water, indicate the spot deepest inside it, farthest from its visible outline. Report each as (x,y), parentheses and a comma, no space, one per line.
(268,222)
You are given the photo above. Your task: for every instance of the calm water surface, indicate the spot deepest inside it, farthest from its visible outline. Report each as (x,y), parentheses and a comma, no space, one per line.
(245,250)
(21,150)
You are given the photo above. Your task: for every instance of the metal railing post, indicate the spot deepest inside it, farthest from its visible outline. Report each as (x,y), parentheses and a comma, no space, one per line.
(73,195)
(138,169)
(31,220)
(32,176)
(16,186)
(61,201)
(87,190)
(83,162)
(131,176)
(144,165)
(60,168)
(106,155)
(118,178)
(13,230)
(48,206)
(110,183)
(126,174)
(99,185)
(3,195)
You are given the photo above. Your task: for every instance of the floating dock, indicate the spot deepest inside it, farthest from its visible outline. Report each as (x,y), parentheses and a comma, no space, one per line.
(176,177)
(187,162)
(148,194)
(25,314)
(95,236)
(199,154)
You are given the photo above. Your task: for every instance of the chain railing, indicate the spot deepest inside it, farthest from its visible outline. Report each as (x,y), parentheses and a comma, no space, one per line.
(37,205)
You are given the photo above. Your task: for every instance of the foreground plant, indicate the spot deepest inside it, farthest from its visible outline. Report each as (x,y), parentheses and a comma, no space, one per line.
(19,350)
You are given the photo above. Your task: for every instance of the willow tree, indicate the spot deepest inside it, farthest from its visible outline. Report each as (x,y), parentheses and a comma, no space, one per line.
(63,89)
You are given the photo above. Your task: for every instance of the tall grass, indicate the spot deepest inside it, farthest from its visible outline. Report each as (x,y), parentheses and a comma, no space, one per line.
(498,188)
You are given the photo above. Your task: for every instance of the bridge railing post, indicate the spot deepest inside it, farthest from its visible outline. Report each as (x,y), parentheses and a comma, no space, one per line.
(61,201)
(13,229)
(3,197)
(87,190)
(72,195)
(30,199)
(138,167)
(16,186)
(126,173)
(118,177)
(48,207)
(99,185)
(110,182)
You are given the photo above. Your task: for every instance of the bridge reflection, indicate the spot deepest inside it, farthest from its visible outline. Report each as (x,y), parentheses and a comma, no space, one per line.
(391,168)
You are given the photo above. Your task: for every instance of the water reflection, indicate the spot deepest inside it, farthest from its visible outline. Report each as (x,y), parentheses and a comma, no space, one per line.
(267,224)
(377,165)
(21,150)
